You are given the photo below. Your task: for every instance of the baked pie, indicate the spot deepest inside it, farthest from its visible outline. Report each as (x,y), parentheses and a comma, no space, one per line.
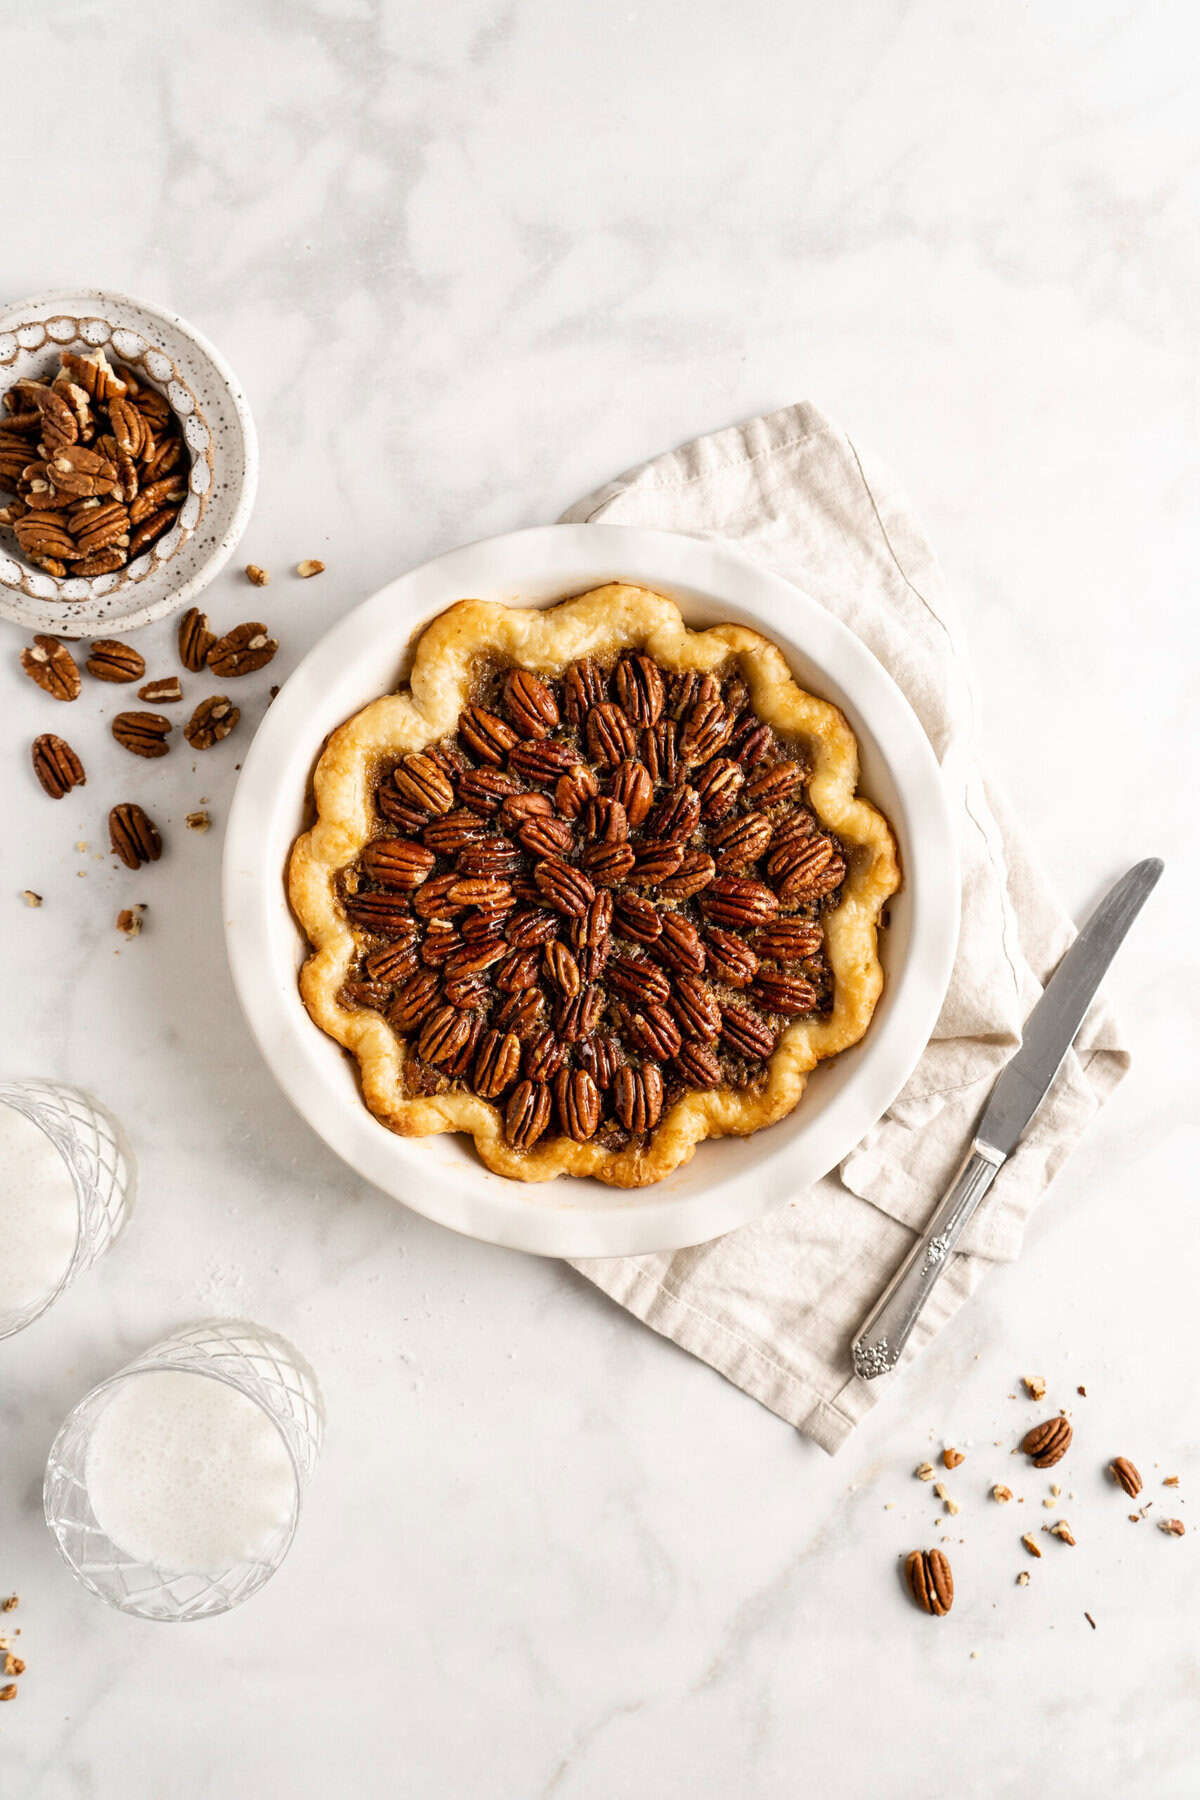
(593,888)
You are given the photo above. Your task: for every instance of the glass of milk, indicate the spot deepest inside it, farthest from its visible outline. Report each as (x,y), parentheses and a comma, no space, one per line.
(67,1182)
(173,1489)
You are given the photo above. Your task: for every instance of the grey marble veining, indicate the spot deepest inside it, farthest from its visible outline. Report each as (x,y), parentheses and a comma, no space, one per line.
(469,261)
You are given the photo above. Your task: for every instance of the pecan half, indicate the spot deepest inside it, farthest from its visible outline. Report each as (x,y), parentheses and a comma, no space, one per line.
(531,705)
(490,893)
(654,862)
(640,689)
(143,733)
(632,787)
(610,735)
(679,945)
(706,730)
(161,693)
(545,1056)
(600,1055)
(415,1000)
(212,721)
(527,1114)
(56,765)
(778,781)
(443,1034)
(133,835)
(497,1064)
(578,1018)
(787,994)
(638,1096)
(566,889)
(788,940)
(651,1029)
(398,863)
(423,782)
(578,1102)
(573,790)
(718,784)
(516,970)
(695,1008)
(746,1033)
(385,915)
(730,959)
(562,971)
(608,865)
(1047,1443)
(696,870)
(487,737)
(604,822)
(452,832)
(638,979)
(546,837)
(111,660)
(241,651)
(805,869)
(675,818)
(930,1581)
(395,961)
(1125,1475)
(530,926)
(660,749)
(741,840)
(583,686)
(489,856)
(736,900)
(699,1064)
(638,918)
(52,666)
(195,640)
(591,929)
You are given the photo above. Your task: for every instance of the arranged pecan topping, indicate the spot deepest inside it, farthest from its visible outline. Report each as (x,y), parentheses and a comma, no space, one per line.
(212,721)
(133,835)
(52,666)
(144,733)
(56,765)
(111,660)
(1047,1443)
(930,1581)
(573,907)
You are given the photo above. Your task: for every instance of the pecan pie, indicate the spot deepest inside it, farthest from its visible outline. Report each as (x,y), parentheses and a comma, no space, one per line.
(592,888)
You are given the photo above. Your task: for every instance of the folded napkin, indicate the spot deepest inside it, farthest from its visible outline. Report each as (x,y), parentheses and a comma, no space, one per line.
(774,1306)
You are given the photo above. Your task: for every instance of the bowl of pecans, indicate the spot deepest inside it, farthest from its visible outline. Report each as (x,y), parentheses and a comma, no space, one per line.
(128,462)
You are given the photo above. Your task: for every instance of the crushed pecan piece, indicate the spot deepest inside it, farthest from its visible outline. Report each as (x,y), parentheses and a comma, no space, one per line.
(306,570)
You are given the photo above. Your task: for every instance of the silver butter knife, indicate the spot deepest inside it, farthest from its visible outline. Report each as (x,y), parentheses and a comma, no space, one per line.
(1049,1033)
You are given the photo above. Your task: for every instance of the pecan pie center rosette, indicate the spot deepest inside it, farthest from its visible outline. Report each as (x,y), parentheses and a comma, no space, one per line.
(594,888)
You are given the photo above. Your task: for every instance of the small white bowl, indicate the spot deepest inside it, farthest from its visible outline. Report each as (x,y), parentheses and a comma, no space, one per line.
(207,399)
(728,1181)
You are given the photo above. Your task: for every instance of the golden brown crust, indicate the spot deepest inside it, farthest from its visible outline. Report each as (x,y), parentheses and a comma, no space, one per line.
(597,624)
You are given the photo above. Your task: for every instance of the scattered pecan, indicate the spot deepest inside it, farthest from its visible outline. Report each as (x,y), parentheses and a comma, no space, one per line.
(1001,1493)
(930,1581)
(1035,1386)
(1173,1527)
(255,576)
(952,1457)
(195,640)
(129,920)
(1062,1531)
(1125,1475)
(56,765)
(212,721)
(241,651)
(311,566)
(197,821)
(111,660)
(161,693)
(52,666)
(1047,1443)
(143,733)
(133,835)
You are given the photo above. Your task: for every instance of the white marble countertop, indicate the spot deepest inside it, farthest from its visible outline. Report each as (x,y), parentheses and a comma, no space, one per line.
(469,261)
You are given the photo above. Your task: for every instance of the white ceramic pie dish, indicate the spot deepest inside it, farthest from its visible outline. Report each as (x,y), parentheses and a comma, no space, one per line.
(729,1181)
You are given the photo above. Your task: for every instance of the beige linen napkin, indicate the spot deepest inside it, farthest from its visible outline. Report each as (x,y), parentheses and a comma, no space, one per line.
(773,1307)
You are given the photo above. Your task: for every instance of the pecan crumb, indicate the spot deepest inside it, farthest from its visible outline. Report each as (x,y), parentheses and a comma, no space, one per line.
(13,1665)
(11,1604)
(1035,1386)
(952,1457)
(1031,1544)
(1087,1615)
(939,1488)
(951,1505)
(1173,1527)
(1083,1391)
(311,566)
(1001,1493)
(255,576)
(129,920)
(197,821)
(1023,1578)
(924,1471)
(1170,1481)
(30,898)
(1062,1531)
(9,1692)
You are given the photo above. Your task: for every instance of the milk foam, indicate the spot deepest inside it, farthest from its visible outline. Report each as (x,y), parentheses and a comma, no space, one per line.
(185,1472)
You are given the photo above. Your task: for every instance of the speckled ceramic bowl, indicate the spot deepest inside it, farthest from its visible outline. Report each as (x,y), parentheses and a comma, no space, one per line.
(206,397)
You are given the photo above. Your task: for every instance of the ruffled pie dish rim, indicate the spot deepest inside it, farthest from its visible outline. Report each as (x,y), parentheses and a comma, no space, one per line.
(599,625)
(736,1180)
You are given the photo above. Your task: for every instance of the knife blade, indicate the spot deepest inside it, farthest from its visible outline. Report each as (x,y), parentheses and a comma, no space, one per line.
(1049,1032)
(1052,1026)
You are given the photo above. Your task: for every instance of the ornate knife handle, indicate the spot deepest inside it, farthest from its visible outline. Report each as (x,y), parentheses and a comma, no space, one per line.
(888,1326)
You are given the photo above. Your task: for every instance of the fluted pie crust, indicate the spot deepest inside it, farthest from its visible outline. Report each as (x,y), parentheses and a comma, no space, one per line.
(474,635)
